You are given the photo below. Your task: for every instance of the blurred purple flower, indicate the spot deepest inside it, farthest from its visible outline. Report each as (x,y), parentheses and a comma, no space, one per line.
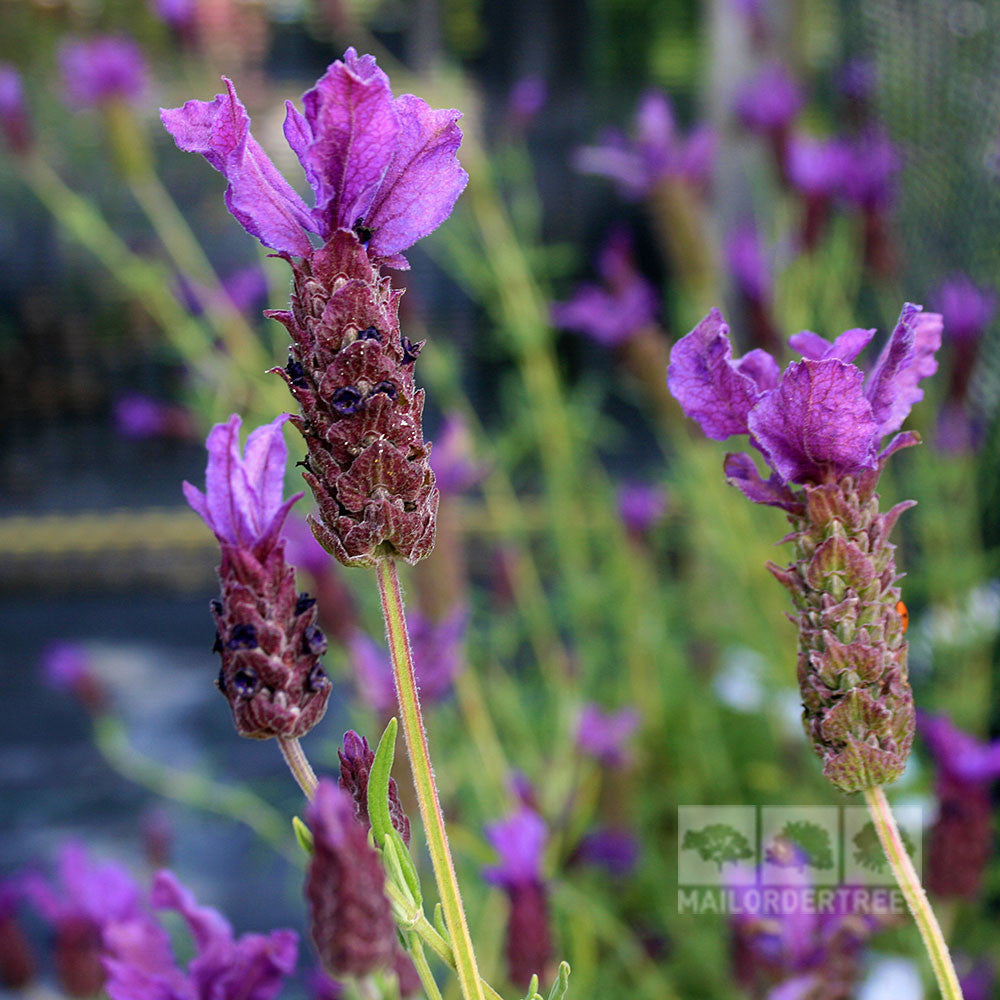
(957,754)
(968,309)
(816,167)
(857,79)
(15,122)
(815,422)
(322,987)
(748,263)
(623,305)
(802,950)
(381,166)
(303,551)
(101,70)
(140,417)
(437,660)
(527,97)
(350,917)
(17,962)
(871,163)
(245,289)
(66,665)
(641,505)
(979,981)
(451,458)
(83,903)
(605,735)
(520,841)
(961,838)
(141,964)
(656,153)
(616,851)
(770,101)
(243,502)
(178,14)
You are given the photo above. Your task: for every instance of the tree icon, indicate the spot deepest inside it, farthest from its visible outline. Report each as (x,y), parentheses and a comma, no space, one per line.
(719,843)
(868,850)
(801,844)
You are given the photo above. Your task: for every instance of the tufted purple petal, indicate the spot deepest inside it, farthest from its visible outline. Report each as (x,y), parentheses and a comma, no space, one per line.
(742,473)
(242,501)
(817,425)
(959,753)
(761,367)
(260,199)
(846,347)
(704,380)
(423,180)
(907,358)
(346,140)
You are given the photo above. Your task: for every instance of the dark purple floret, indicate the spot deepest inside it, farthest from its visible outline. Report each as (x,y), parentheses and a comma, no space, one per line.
(304,603)
(411,351)
(347,400)
(245,682)
(388,388)
(242,637)
(296,374)
(369,333)
(317,679)
(314,640)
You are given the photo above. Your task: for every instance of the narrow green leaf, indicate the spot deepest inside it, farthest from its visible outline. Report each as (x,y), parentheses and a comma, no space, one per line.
(303,835)
(439,924)
(378,784)
(532,987)
(561,985)
(406,864)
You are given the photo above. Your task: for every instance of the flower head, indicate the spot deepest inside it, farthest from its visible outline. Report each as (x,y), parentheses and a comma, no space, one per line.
(640,506)
(655,153)
(871,163)
(352,924)
(242,502)
(451,459)
(141,966)
(520,842)
(620,307)
(816,167)
(15,122)
(606,735)
(437,660)
(383,167)
(527,97)
(101,70)
(614,850)
(748,263)
(356,759)
(770,101)
(817,421)
(967,309)
(957,754)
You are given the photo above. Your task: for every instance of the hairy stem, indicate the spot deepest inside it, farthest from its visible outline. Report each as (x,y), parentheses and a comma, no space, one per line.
(423,780)
(913,892)
(416,951)
(299,765)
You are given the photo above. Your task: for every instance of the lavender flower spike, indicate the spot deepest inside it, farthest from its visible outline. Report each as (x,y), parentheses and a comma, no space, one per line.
(520,842)
(266,633)
(101,70)
(352,924)
(820,425)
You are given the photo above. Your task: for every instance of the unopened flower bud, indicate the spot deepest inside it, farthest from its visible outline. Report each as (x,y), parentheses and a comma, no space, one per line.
(356,759)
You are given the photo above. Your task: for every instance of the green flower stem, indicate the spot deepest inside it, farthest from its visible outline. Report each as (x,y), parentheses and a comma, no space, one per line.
(913,892)
(193,789)
(299,765)
(423,780)
(416,951)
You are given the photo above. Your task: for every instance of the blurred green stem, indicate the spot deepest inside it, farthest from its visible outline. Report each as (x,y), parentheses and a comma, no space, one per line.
(423,779)
(193,789)
(916,899)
